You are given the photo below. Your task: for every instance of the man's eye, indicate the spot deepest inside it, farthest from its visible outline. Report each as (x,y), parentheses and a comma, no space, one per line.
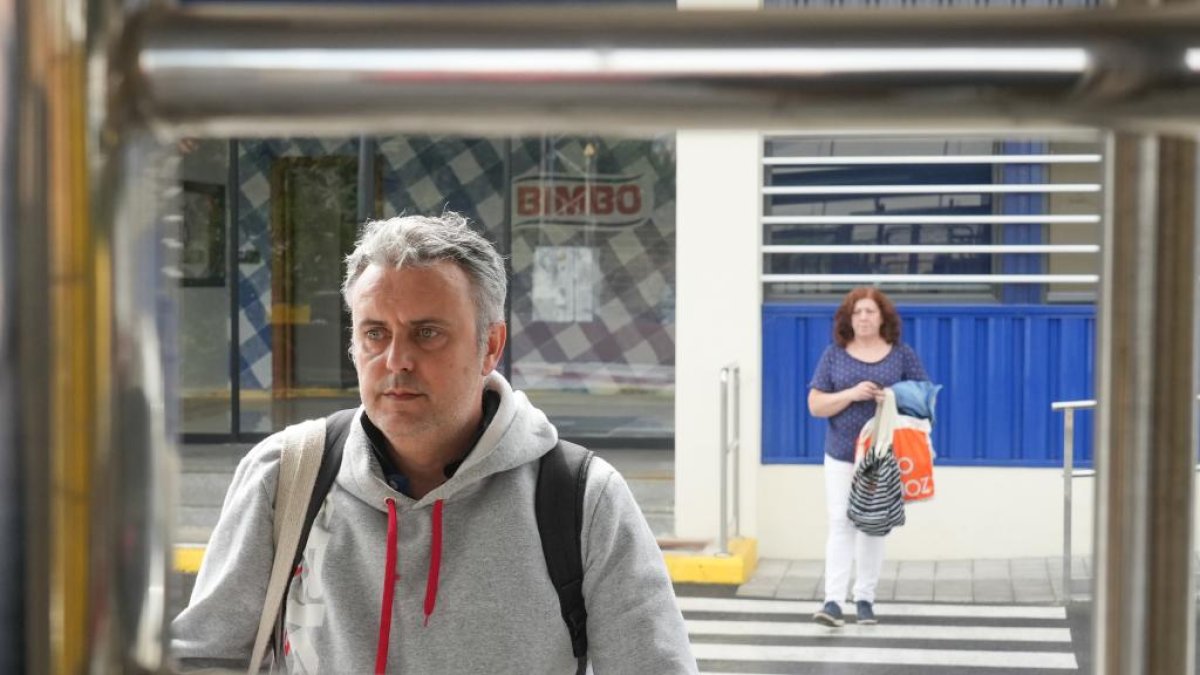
(374,334)
(427,332)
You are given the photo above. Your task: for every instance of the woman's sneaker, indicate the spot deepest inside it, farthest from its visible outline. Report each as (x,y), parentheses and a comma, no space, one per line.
(866,613)
(830,615)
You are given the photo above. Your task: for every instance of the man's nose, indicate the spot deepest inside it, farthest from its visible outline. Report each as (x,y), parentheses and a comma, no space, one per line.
(400,356)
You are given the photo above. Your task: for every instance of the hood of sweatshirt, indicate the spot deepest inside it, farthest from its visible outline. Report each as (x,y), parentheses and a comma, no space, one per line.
(518,434)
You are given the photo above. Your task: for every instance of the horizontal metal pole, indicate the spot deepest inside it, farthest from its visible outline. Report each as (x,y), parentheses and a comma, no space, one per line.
(932,159)
(270,70)
(932,278)
(837,249)
(930,219)
(1074,405)
(917,189)
(1059,133)
(1091,473)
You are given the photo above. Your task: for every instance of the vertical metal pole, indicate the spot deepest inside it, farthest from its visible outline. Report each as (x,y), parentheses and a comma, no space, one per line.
(366,179)
(723,528)
(15,400)
(736,447)
(233,248)
(1068,470)
(506,240)
(120,459)
(58,334)
(1145,605)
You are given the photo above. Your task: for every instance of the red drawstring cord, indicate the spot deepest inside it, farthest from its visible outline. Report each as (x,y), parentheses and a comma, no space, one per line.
(389,591)
(435,562)
(390,579)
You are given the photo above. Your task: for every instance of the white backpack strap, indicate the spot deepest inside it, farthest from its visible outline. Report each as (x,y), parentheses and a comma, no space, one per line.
(303,446)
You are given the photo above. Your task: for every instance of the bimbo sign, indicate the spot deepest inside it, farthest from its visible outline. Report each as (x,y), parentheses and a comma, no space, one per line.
(572,199)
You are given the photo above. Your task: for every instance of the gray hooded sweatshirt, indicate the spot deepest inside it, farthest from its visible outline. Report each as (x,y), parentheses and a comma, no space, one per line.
(474,597)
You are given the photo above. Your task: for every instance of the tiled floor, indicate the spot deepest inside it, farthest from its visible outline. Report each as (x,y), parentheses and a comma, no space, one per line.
(1019,580)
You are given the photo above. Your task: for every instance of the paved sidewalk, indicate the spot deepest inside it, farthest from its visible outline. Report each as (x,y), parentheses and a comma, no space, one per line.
(1019,580)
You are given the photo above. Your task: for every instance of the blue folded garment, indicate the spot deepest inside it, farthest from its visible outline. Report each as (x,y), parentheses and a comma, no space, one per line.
(917,398)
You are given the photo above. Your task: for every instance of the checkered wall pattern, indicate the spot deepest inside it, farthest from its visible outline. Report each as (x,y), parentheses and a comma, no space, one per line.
(630,341)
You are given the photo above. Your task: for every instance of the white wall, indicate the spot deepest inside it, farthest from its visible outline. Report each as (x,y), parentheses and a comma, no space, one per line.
(718,317)
(977,513)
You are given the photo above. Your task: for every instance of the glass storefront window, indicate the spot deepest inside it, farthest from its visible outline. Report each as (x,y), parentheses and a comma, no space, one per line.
(204,287)
(587,224)
(593,319)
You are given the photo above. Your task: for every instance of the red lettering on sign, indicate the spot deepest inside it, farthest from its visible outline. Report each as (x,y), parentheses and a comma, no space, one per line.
(569,201)
(629,199)
(578,200)
(602,200)
(529,200)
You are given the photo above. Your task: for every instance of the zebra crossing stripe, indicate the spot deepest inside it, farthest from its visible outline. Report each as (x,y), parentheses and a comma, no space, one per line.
(751,606)
(882,631)
(897,657)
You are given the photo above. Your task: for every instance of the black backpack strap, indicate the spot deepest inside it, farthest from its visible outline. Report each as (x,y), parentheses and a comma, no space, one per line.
(558,504)
(337,430)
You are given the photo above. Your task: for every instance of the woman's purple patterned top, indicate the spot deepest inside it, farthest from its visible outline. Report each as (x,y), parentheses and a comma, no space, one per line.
(837,370)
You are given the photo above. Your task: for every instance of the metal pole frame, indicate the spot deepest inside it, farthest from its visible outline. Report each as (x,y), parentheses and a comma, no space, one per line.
(1068,471)
(226,72)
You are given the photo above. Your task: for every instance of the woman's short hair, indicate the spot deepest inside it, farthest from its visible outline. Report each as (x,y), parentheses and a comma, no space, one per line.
(843,329)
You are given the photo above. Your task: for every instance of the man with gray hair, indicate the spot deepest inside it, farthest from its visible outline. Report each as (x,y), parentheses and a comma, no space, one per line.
(425,555)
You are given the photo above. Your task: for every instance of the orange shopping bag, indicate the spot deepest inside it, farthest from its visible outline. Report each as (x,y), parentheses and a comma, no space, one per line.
(911,444)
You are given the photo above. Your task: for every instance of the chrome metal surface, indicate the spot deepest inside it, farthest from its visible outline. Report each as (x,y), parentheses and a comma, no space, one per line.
(127,284)
(279,71)
(283,71)
(1068,475)
(135,466)
(13,404)
(723,458)
(1144,616)
(729,452)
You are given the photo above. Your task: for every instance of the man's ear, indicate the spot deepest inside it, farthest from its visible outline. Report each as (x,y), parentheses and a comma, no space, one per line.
(494,347)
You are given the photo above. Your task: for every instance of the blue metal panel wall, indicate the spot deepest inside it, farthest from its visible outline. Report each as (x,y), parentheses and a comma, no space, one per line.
(1002,367)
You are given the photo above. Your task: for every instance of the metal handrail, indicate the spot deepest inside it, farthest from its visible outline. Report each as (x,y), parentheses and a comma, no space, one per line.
(840,249)
(730,381)
(1068,409)
(933,278)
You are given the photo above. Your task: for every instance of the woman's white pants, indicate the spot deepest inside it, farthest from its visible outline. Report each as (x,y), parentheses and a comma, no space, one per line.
(846,545)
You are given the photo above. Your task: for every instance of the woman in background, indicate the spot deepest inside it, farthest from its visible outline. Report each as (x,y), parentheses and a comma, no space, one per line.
(866,357)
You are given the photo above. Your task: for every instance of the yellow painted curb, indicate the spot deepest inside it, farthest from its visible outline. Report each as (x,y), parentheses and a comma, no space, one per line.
(709,568)
(696,568)
(187,558)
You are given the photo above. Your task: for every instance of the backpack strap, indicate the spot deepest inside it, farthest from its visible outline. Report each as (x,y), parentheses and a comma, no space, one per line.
(337,430)
(558,504)
(298,465)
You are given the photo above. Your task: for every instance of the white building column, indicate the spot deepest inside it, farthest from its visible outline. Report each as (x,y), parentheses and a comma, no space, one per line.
(718,318)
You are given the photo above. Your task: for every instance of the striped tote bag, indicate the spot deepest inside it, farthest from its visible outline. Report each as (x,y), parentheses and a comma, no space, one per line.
(876,499)
(876,495)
